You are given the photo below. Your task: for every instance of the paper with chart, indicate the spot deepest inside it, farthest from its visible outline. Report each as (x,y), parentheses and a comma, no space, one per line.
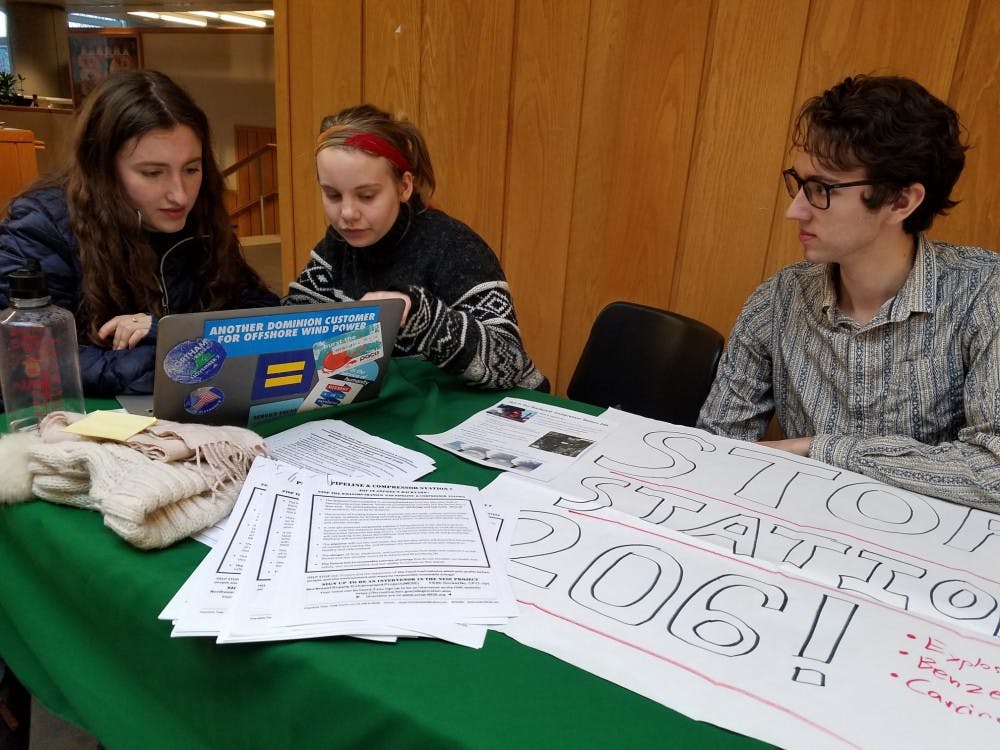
(329,446)
(257,600)
(199,606)
(428,559)
(381,553)
(524,437)
(248,618)
(251,541)
(774,595)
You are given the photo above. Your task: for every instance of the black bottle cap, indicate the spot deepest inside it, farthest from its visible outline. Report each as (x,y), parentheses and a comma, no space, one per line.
(28,282)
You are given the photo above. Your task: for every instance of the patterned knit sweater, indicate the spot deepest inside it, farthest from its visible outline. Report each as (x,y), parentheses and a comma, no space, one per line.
(462,315)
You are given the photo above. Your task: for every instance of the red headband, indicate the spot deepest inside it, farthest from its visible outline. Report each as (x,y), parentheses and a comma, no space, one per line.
(368,142)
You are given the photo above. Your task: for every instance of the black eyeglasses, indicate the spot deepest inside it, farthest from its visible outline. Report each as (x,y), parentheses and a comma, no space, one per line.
(816,192)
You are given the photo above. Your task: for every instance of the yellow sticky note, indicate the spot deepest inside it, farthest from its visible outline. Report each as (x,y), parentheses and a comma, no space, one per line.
(110,425)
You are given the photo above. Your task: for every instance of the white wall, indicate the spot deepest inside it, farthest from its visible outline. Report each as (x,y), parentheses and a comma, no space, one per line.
(229,74)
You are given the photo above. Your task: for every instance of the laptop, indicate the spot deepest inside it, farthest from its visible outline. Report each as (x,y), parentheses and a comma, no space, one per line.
(243,367)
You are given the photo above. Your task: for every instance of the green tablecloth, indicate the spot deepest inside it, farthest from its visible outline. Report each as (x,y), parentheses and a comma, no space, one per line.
(78,624)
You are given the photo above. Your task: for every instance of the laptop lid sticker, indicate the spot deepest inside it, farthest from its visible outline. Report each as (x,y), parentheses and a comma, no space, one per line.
(253,365)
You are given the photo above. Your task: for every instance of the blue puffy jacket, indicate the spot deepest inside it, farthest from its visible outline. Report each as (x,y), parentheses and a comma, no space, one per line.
(39,227)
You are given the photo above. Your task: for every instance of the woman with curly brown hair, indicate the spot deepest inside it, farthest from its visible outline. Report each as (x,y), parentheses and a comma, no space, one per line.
(134,228)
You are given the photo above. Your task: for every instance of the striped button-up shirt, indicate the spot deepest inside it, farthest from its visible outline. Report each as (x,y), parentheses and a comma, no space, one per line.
(911,398)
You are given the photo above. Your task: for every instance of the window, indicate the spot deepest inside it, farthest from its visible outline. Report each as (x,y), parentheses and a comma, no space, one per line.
(4,48)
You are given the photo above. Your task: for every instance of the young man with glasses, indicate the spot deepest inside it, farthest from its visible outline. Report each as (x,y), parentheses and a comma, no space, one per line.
(881,352)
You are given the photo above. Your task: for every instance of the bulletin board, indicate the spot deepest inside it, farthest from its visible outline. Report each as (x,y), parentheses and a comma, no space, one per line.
(95,55)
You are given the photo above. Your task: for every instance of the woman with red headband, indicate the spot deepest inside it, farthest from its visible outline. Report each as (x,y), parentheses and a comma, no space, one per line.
(384,241)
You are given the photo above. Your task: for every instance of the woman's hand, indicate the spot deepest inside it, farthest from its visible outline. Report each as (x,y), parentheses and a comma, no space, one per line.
(392,295)
(128,330)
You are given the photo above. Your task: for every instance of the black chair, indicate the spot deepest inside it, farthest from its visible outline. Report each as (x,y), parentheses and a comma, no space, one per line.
(647,361)
(15,712)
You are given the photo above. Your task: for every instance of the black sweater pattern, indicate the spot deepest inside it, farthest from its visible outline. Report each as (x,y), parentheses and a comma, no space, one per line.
(462,314)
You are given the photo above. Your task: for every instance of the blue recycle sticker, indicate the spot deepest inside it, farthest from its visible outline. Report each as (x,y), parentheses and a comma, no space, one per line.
(194,361)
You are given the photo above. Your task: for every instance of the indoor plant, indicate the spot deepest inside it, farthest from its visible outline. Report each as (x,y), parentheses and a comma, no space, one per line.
(11,88)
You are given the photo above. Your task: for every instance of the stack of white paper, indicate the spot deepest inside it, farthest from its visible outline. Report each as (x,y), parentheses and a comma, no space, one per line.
(330,446)
(304,556)
(334,448)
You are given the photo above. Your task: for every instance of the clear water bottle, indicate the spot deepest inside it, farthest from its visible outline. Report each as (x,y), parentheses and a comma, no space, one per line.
(39,361)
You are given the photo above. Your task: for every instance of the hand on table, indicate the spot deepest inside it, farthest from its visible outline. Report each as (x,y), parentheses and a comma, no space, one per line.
(799,446)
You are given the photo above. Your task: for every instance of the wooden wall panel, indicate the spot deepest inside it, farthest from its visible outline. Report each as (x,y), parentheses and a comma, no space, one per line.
(317,71)
(644,63)
(391,61)
(727,213)
(621,149)
(551,41)
(464,100)
(916,38)
(975,94)
(289,183)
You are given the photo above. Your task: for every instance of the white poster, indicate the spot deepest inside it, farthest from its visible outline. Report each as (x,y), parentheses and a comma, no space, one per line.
(774,595)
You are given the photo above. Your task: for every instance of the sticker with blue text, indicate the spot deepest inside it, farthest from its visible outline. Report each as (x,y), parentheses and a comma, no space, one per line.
(194,361)
(255,335)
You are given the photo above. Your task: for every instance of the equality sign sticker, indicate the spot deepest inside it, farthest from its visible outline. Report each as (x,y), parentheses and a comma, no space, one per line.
(283,374)
(194,361)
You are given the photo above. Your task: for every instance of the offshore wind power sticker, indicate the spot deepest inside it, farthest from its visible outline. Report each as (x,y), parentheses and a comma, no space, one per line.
(194,361)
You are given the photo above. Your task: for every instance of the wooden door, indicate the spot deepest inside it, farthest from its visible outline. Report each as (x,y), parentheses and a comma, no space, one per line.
(256,204)
(18,165)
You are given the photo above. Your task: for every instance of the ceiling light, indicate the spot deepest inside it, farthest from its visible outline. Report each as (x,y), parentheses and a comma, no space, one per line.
(172,18)
(144,14)
(92,17)
(206,13)
(243,20)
